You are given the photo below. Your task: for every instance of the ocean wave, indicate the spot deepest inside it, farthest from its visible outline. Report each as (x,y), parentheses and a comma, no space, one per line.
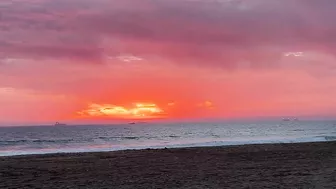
(167,144)
(128,137)
(53,141)
(298,130)
(330,138)
(174,136)
(120,137)
(13,142)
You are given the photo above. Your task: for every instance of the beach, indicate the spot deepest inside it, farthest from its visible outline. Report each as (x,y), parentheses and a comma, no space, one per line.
(301,165)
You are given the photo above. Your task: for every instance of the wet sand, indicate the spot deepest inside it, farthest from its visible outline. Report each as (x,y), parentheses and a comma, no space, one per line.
(306,165)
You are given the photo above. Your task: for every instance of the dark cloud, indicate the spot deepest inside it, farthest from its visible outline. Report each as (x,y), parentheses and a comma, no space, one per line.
(215,32)
(209,23)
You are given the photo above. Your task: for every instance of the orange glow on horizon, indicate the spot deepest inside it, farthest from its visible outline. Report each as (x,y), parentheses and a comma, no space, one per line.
(137,111)
(140,110)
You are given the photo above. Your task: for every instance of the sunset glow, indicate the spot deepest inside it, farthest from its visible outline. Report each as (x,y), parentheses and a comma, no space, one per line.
(171,59)
(138,111)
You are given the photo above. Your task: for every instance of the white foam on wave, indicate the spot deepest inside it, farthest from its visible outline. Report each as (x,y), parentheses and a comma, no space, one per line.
(170,144)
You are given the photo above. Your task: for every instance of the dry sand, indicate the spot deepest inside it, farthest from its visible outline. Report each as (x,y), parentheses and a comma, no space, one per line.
(306,165)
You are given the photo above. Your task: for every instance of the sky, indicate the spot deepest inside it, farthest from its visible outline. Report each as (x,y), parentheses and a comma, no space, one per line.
(166,59)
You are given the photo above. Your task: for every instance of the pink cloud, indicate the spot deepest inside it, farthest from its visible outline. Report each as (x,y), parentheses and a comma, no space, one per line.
(220,33)
(230,53)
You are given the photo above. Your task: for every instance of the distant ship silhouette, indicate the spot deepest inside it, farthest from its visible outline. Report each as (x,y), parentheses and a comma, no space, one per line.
(60,124)
(133,123)
(288,119)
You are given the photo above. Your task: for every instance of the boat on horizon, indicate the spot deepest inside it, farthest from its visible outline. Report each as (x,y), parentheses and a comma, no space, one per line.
(60,124)
(137,122)
(289,119)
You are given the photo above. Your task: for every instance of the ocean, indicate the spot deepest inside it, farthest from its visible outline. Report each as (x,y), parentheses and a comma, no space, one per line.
(95,138)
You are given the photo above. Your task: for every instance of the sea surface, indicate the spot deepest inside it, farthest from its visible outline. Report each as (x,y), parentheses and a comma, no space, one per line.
(93,138)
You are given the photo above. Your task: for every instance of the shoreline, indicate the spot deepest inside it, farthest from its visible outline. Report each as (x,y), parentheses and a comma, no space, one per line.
(177,146)
(282,165)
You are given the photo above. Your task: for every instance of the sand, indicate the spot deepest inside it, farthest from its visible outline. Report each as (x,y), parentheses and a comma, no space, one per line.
(305,165)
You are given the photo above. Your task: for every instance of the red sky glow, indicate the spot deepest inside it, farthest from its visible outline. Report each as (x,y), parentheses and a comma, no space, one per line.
(168,59)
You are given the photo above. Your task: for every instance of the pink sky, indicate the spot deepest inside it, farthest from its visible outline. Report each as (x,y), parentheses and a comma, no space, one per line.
(96,59)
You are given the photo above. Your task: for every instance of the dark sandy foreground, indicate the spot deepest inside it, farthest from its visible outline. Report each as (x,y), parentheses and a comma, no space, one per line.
(309,165)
